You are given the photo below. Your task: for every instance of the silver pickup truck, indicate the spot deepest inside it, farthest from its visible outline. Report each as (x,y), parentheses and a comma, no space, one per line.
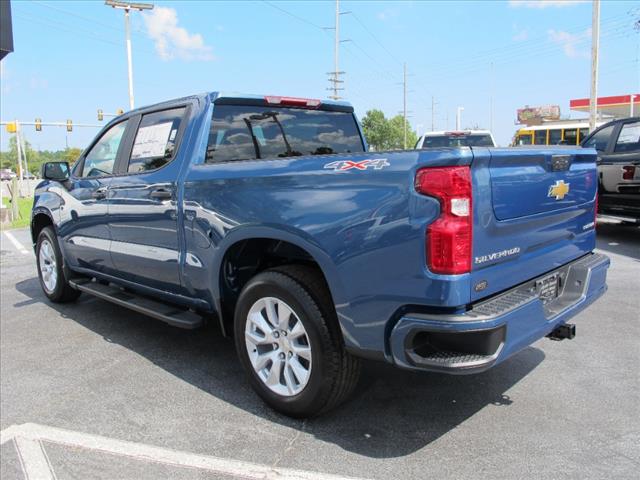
(618,147)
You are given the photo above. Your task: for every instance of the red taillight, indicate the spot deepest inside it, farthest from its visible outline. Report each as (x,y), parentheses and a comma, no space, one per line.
(628,172)
(449,238)
(293,101)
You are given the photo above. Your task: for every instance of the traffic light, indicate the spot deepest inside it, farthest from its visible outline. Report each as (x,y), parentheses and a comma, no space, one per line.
(100,115)
(120,111)
(69,126)
(12,127)
(38,124)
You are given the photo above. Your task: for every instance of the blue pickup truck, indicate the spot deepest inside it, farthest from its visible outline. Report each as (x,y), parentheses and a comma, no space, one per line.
(270,216)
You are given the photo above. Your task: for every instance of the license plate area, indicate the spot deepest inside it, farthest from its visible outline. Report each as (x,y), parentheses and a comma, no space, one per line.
(548,288)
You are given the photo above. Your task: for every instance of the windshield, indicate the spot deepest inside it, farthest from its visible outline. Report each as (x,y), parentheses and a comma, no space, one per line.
(470,140)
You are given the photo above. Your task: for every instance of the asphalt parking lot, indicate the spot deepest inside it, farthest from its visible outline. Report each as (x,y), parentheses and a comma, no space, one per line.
(91,390)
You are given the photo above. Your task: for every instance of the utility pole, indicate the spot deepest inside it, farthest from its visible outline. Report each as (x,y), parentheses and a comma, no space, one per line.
(595,47)
(433,113)
(126,6)
(334,78)
(459,118)
(19,153)
(491,101)
(404,102)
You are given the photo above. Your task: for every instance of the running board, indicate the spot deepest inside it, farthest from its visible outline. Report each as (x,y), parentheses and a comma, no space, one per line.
(170,314)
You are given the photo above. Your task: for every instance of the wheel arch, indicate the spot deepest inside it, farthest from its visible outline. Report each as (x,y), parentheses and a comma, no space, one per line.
(262,248)
(40,218)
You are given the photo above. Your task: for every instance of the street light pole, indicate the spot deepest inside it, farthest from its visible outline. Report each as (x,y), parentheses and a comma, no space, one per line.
(127,6)
(127,30)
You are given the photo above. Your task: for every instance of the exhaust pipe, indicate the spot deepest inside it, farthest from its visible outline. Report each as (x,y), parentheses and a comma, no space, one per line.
(567,330)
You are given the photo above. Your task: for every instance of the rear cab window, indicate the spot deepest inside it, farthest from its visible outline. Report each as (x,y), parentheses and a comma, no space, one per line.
(458,140)
(156,140)
(242,132)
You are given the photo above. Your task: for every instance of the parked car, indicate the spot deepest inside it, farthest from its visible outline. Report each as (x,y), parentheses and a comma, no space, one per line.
(6,174)
(618,147)
(464,138)
(269,214)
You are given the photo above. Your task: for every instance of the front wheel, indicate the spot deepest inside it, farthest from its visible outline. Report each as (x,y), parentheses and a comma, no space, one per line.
(50,269)
(288,341)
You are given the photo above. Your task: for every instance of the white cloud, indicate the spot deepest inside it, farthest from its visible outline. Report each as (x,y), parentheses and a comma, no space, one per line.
(173,41)
(574,45)
(545,3)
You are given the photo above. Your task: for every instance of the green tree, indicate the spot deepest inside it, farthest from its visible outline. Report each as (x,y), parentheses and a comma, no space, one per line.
(71,154)
(386,134)
(397,127)
(35,158)
(376,129)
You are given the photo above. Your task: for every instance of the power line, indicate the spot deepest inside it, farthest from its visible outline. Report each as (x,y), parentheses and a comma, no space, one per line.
(81,17)
(357,19)
(293,15)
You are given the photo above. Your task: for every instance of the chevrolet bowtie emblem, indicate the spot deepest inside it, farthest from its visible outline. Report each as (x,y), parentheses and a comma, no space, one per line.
(558,190)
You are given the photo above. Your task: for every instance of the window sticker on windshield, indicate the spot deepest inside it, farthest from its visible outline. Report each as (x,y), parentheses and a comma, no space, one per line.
(151,141)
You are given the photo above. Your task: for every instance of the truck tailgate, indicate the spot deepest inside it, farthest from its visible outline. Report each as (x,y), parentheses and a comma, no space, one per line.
(534,211)
(536,181)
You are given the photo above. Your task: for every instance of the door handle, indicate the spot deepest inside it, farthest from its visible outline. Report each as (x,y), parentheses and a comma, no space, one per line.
(161,194)
(99,193)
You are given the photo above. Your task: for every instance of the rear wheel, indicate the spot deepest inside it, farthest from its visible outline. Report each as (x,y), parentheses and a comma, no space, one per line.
(53,281)
(287,338)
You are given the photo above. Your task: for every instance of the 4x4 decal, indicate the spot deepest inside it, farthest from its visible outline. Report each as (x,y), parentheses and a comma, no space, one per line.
(340,165)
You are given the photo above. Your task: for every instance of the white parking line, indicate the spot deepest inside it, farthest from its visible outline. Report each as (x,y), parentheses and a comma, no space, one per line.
(28,439)
(16,243)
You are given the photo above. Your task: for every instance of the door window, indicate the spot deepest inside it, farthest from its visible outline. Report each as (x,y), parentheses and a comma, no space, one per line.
(156,140)
(600,139)
(629,138)
(102,157)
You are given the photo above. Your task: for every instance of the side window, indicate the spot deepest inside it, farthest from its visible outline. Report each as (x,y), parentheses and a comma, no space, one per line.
(541,137)
(600,139)
(629,138)
(571,136)
(584,133)
(155,143)
(555,136)
(102,157)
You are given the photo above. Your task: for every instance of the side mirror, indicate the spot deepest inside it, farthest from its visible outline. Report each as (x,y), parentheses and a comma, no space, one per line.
(58,171)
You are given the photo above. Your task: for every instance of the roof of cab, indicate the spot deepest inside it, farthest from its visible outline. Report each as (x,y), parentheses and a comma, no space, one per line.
(250,96)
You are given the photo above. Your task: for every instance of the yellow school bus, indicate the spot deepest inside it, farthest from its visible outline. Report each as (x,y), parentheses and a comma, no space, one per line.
(553,133)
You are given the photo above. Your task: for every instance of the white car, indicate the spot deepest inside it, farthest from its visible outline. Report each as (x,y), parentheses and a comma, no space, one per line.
(461,138)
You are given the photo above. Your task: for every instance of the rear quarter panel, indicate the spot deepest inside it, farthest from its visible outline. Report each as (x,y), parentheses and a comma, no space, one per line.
(365,228)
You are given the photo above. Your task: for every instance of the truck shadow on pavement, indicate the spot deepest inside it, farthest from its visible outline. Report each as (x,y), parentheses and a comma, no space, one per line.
(392,414)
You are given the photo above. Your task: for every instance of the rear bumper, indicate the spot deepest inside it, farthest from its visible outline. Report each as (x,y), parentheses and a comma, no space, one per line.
(619,206)
(494,329)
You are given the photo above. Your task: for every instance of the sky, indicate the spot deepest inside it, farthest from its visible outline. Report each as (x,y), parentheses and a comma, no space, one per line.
(70,58)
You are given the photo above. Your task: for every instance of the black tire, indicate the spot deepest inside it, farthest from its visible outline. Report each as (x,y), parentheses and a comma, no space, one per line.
(62,292)
(335,372)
